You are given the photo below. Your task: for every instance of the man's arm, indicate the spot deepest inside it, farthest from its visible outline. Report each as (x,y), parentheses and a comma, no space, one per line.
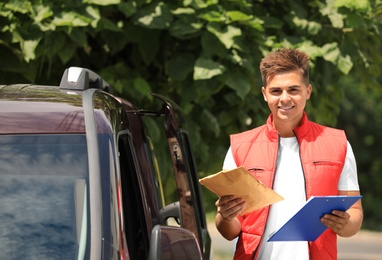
(227,223)
(345,224)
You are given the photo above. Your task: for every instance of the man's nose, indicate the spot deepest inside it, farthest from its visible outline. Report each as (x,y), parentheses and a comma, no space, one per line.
(284,95)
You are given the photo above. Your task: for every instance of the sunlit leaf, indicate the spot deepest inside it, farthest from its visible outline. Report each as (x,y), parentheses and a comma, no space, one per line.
(225,35)
(154,16)
(238,16)
(71,19)
(206,69)
(28,48)
(102,2)
(331,52)
(360,5)
(19,6)
(345,64)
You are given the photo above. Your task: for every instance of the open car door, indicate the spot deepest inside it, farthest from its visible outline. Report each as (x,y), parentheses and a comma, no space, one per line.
(192,214)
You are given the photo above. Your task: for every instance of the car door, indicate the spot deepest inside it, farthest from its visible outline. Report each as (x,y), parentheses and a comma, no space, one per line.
(186,176)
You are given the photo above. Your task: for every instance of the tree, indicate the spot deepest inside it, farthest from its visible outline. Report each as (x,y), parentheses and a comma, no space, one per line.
(204,54)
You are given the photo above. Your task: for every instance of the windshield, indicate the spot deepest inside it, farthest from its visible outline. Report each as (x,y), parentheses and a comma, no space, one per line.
(43,197)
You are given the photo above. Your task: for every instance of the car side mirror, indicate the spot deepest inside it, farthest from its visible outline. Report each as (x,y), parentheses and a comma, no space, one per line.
(173,243)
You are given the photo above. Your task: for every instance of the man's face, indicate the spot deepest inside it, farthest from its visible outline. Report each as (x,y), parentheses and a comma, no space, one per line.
(286,95)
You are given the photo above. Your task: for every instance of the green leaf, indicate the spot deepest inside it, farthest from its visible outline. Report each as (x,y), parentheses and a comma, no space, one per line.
(23,7)
(210,121)
(78,36)
(359,5)
(238,82)
(43,12)
(213,16)
(185,28)
(102,2)
(355,21)
(331,11)
(71,19)
(180,66)
(148,44)
(256,24)
(28,48)
(206,69)
(154,16)
(345,64)
(94,14)
(212,46)
(141,85)
(200,4)
(106,24)
(67,51)
(181,11)
(225,35)
(312,27)
(128,9)
(312,50)
(115,41)
(238,16)
(331,52)
(337,20)
(52,43)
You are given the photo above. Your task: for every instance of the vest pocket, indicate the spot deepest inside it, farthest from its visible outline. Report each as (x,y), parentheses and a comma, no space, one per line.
(255,169)
(326,167)
(327,163)
(264,175)
(322,177)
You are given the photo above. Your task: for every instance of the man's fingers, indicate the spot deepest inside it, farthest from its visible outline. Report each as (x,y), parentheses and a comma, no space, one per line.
(231,209)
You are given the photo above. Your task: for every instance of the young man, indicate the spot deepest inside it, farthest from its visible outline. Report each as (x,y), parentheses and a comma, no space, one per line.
(295,157)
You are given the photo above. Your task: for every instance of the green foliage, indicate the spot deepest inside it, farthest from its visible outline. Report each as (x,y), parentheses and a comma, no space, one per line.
(204,54)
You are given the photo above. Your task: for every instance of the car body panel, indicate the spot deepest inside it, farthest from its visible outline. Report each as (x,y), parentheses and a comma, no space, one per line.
(117,207)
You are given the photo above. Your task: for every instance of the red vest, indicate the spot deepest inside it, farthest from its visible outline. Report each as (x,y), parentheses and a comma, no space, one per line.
(322,154)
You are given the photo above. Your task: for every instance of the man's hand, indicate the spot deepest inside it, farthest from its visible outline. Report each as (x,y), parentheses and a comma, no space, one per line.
(345,224)
(336,221)
(229,207)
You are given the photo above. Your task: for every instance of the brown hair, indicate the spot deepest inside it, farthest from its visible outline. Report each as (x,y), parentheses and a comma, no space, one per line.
(284,60)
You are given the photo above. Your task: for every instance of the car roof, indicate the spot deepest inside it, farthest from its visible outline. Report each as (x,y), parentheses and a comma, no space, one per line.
(32,109)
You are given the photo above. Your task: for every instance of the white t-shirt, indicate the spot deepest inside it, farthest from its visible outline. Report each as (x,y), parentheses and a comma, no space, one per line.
(289,183)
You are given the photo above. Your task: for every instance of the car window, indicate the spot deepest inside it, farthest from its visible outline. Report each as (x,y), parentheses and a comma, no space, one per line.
(135,218)
(43,197)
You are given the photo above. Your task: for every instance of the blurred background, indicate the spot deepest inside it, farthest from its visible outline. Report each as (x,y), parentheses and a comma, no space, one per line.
(205,54)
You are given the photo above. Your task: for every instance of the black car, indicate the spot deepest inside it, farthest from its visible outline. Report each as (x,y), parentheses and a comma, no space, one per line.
(79,177)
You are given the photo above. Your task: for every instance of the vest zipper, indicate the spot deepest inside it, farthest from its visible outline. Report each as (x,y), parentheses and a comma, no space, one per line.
(303,173)
(273,182)
(302,165)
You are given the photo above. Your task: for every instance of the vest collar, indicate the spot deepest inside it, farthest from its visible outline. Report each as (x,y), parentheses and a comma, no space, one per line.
(300,131)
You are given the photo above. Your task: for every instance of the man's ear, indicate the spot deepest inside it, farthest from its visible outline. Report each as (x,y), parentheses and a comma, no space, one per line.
(309,91)
(263,91)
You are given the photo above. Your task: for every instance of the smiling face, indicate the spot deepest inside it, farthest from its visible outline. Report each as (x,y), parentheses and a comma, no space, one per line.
(286,94)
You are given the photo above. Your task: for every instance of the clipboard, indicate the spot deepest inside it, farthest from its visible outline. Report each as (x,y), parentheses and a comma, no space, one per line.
(305,225)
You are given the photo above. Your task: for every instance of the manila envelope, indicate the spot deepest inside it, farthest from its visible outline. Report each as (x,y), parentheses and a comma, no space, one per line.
(241,183)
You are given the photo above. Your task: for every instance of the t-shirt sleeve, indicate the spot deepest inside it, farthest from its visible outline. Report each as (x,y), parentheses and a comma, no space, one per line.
(229,163)
(349,177)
